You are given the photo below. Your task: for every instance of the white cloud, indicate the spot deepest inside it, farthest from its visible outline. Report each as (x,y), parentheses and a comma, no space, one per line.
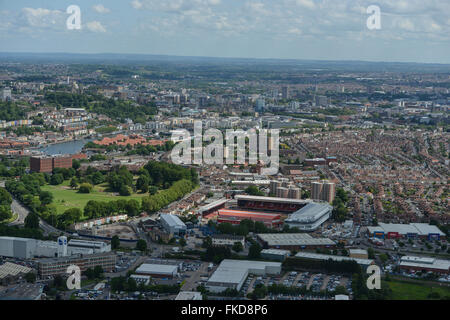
(95,26)
(136,4)
(40,18)
(101,9)
(306,3)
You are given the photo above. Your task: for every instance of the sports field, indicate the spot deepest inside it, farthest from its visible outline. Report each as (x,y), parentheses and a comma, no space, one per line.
(402,290)
(65,198)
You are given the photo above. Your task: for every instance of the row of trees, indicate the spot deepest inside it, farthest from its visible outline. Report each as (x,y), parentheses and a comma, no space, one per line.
(155,202)
(326,265)
(5,205)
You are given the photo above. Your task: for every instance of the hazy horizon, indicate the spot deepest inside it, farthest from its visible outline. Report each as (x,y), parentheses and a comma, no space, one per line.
(320,30)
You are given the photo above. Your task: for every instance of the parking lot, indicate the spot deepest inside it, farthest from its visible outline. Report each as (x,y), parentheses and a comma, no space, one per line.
(316,282)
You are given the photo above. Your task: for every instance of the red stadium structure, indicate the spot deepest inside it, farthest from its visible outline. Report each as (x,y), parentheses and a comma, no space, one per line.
(270,220)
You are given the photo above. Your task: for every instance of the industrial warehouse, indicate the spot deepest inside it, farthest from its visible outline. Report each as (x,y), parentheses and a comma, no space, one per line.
(425,264)
(26,248)
(324,257)
(412,230)
(172,224)
(231,274)
(293,241)
(55,266)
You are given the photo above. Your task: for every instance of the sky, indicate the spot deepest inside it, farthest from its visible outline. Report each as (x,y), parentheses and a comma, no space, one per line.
(411,30)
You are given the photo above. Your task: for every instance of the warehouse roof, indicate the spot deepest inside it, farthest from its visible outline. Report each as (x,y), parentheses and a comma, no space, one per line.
(11,269)
(426,229)
(293,239)
(400,228)
(426,263)
(412,228)
(317,256)
(172,220)
(161,269)
(310,213)
(234,271)
(275,251)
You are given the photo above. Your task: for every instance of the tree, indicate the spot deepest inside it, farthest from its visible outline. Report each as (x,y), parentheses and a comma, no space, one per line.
(73,183)
(76,164)
(182,242)
(254,191)
(124,190)
(132,207)
(85,188)
(142,183)
(30,277)
(5,213)
(115,242)
(370,253)
(46,197)
(98,272)
(207,242)
(32,221)
(57,179)
(141,245)
(237,247)
(255,251)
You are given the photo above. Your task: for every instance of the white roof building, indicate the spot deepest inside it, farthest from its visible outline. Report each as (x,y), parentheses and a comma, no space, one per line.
(231,274)
(160,270)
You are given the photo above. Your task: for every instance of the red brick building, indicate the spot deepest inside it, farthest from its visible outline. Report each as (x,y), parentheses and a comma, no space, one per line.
(47,164)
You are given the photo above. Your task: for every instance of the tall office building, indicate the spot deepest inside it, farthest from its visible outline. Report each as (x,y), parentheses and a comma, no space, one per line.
(6,94)
(285,92)
(323,190)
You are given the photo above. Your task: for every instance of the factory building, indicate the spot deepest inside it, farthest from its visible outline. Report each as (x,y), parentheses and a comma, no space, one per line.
(172,224)
(56,266)
(425,264)
(358,253)
(270,220)
(324,257)
(310,217)
(24,248)
(157,270)
(275,254)
(96,246)
(226,240)
(231,274)
(293,241)
(412,230)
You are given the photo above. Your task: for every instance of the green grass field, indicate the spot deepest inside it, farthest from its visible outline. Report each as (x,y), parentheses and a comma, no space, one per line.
(402,290)
(65,198)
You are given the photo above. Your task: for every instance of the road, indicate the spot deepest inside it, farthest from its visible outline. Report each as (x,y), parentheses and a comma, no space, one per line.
(21,212)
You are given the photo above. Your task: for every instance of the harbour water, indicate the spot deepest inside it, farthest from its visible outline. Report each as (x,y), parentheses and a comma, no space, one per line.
(70,147)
